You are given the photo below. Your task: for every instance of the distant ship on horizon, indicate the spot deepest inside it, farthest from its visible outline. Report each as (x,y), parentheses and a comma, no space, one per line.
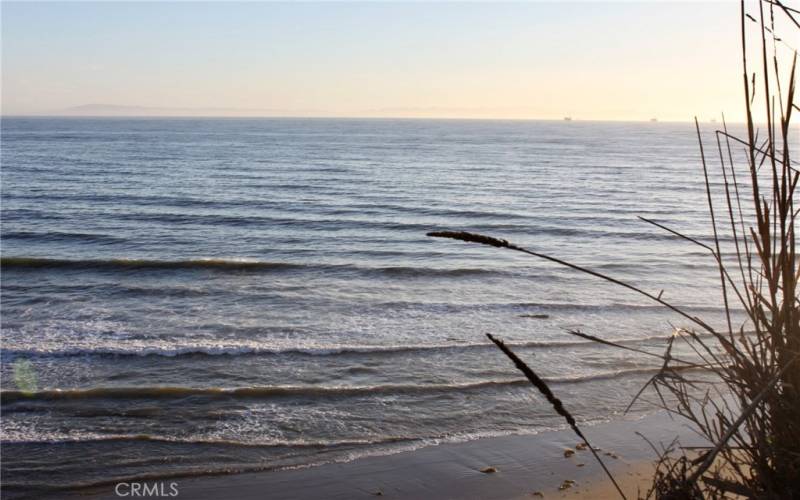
(567,118)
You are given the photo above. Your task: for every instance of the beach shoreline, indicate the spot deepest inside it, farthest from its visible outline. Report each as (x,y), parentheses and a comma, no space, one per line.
(525,466)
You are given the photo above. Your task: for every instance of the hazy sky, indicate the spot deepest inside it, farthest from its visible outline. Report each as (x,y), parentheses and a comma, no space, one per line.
(492,60)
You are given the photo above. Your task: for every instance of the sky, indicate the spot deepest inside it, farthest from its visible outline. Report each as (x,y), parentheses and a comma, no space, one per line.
(594,61)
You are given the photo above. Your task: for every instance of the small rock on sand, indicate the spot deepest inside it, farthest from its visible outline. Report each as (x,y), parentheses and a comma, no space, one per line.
(489,470)
(535,316)
(580,465)
(568,452)
(566,484)
(537,494)
(580,446)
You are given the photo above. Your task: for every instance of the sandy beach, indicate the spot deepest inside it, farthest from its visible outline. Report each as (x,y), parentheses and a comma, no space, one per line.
(532,466)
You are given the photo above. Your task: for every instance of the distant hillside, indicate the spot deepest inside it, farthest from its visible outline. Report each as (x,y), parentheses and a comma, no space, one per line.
(117,110)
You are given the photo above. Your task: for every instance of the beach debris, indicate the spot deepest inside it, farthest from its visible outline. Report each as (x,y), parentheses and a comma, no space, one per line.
(489,470)
(612,455)
(567,484)
(580,464)
(568,452)
(535,316)
(378,493)
(537,494)
(580,446)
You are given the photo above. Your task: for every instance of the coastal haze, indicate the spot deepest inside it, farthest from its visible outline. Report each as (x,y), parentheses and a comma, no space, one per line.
(538,60)
(197,296)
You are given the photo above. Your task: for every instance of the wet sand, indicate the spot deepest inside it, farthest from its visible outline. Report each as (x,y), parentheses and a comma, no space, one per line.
(523,466)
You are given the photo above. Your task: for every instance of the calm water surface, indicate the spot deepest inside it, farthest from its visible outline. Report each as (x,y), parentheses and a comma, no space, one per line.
(190,296)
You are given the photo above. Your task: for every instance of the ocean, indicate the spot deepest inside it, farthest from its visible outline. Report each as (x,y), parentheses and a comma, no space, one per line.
(201,296)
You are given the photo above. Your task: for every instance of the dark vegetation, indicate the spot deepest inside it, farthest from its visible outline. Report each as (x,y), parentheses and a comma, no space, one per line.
(746,401)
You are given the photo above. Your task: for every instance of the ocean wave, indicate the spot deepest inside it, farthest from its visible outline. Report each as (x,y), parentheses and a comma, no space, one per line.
(265,350)
(549,306)
(54,438)
(163,392)
(124,264)
(489,222)
(28,214)
(103,239)
(261,392)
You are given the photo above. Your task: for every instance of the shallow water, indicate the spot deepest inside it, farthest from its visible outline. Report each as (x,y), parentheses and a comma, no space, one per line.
(189,296)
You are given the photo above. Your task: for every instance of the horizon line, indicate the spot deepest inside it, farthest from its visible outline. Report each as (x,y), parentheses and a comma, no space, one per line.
(360,117)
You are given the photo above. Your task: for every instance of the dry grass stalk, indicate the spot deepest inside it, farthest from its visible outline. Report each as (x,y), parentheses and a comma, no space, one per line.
(558,406)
